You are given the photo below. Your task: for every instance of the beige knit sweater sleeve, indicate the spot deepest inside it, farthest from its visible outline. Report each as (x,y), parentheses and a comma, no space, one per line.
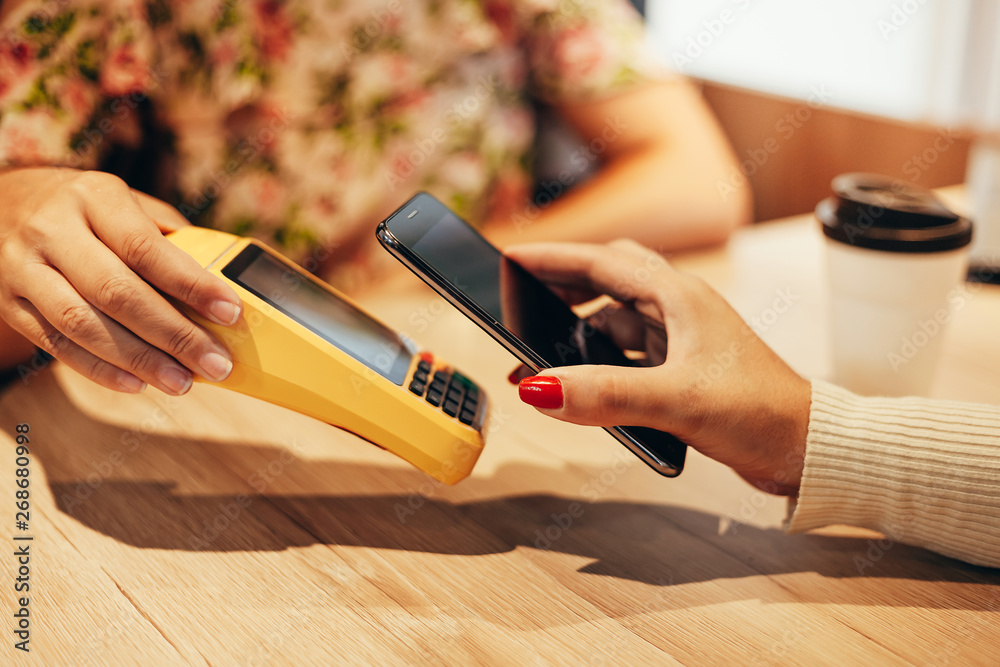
(921,471)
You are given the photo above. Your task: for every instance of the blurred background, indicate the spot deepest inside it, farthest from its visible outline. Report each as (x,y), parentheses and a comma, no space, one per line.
(808,90)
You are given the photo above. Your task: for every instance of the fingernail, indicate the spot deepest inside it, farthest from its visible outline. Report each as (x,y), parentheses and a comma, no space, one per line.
(515,376)
(224,312)
(215,367)
(130,383)
(541,391)
(175,380)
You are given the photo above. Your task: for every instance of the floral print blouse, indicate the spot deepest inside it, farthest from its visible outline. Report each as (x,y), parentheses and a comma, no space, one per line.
(305,122)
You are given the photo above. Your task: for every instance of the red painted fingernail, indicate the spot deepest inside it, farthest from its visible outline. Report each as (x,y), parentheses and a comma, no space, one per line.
(541,391)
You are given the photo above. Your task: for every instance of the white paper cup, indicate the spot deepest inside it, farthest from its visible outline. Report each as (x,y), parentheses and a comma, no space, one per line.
(889,312)
(983,185)
(896,262)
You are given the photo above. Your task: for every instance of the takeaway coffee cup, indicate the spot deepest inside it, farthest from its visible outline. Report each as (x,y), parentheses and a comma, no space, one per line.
(896,259)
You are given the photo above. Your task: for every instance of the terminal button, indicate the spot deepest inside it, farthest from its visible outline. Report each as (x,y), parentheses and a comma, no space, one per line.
(434,397)
(440,381)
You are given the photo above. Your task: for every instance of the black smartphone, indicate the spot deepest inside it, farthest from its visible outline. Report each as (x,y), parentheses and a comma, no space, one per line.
(513,306)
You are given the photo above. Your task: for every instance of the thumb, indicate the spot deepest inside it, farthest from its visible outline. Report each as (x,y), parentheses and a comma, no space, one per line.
(598,395)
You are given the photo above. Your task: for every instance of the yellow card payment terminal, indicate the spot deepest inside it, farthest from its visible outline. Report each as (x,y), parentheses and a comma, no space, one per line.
(302,345)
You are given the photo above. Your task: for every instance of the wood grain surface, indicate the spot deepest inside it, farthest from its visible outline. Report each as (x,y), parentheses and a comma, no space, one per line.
(216,529)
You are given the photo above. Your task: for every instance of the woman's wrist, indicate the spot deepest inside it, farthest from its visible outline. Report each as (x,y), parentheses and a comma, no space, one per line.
(786,440)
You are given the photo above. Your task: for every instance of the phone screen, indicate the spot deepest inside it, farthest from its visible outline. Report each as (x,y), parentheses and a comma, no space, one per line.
(512,296)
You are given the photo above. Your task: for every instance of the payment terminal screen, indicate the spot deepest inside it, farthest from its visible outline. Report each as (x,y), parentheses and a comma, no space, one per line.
(322,312)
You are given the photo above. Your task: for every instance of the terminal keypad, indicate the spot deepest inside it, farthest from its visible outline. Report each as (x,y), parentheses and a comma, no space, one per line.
(455,394)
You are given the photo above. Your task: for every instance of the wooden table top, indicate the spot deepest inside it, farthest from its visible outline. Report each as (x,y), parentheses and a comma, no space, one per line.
(216,529)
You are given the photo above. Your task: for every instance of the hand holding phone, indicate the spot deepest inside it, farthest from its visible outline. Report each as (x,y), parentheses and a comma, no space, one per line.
(513,306)
(720,388)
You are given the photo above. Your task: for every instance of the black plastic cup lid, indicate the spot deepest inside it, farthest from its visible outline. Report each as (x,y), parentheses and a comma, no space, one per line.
(877,212)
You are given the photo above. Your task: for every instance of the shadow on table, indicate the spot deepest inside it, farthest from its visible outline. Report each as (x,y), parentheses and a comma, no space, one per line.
(655,544)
